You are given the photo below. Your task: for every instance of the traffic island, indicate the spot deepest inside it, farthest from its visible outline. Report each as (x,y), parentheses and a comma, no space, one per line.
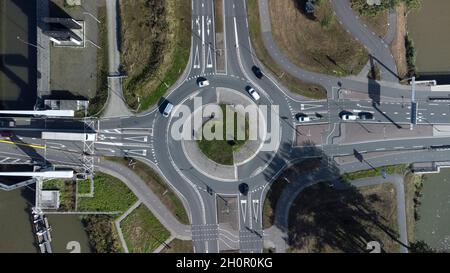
(212,150)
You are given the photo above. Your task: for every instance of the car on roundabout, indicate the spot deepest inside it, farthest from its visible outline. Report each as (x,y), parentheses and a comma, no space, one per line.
(252,92)
(243,188)
(257,71)
(202,82)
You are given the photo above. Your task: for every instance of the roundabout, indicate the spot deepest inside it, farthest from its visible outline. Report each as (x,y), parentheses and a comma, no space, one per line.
(220,134)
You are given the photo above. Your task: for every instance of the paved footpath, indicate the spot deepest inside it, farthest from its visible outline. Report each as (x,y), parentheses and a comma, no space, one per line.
(148,198)
(115,105)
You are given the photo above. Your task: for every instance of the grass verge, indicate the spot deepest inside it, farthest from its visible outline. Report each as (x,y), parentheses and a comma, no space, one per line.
(400,169)
(142,231)
(84,186)
(323,219)
(110,194)
(158,187)
(295,85)
(316,42)
(155,48)
(179,246)
(97,103)
(103,236)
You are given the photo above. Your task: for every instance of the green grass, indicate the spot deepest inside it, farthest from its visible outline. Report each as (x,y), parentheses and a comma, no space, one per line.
(294,85)
(142,231)
(159,187)
(400,169)
(110,194)
(179,246)
(98,102)
(84,186)
(155,48)
(67,192)
(221,150)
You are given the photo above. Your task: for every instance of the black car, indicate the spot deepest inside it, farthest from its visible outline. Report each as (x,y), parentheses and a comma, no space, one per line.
(243,188)
(257,72)
(365,116)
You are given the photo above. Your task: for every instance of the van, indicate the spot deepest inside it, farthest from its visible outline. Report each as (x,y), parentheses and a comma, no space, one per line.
(167,109)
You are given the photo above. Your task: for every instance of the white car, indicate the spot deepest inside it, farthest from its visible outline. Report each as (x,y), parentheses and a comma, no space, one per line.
(253,93)
(203,83)
(303,118)
(167,110)
(349,117)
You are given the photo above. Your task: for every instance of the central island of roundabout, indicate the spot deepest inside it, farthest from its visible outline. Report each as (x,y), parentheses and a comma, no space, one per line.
(226,133)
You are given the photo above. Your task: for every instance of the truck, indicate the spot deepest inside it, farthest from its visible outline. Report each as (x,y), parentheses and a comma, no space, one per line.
(69,136)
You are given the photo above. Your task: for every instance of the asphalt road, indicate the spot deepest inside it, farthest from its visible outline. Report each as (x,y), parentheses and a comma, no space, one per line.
(148,135)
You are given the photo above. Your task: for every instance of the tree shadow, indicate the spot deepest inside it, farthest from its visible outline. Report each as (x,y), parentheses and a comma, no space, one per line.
(326,214)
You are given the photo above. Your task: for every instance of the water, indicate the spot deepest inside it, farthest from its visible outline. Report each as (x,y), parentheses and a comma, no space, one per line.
(429,30)
(18,54)
(66,229)
(434,225)
(16,234)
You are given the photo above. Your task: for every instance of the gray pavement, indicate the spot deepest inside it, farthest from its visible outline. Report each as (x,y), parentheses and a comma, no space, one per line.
(115,105)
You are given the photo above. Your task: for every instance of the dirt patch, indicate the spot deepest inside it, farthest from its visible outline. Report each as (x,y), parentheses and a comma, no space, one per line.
(317,44)
(398,44)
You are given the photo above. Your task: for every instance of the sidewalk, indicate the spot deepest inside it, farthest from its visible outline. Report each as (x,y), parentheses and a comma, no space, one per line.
(148,198)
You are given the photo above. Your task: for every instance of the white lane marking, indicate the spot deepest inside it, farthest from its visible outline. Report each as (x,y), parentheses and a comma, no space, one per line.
(236,33)
(196,59)
(137,138)
(255,203)
(209,59)
(244,209)
(136,152)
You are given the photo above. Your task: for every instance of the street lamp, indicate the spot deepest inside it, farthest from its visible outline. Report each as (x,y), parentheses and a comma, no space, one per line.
(27,43)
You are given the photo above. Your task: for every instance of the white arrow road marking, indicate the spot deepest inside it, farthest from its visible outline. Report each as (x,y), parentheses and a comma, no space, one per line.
(103,137)
(208,23)
(105,149)
(244,209)
(255,203)
(197,22)
(137,138)
(136,152)
(121,144)
(209,61)
(196,59)
(309,106)
(56,145)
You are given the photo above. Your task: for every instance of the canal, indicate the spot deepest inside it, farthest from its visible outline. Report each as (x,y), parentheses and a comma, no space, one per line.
(18,54)
(429,29)
(434,224)
(16,233)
